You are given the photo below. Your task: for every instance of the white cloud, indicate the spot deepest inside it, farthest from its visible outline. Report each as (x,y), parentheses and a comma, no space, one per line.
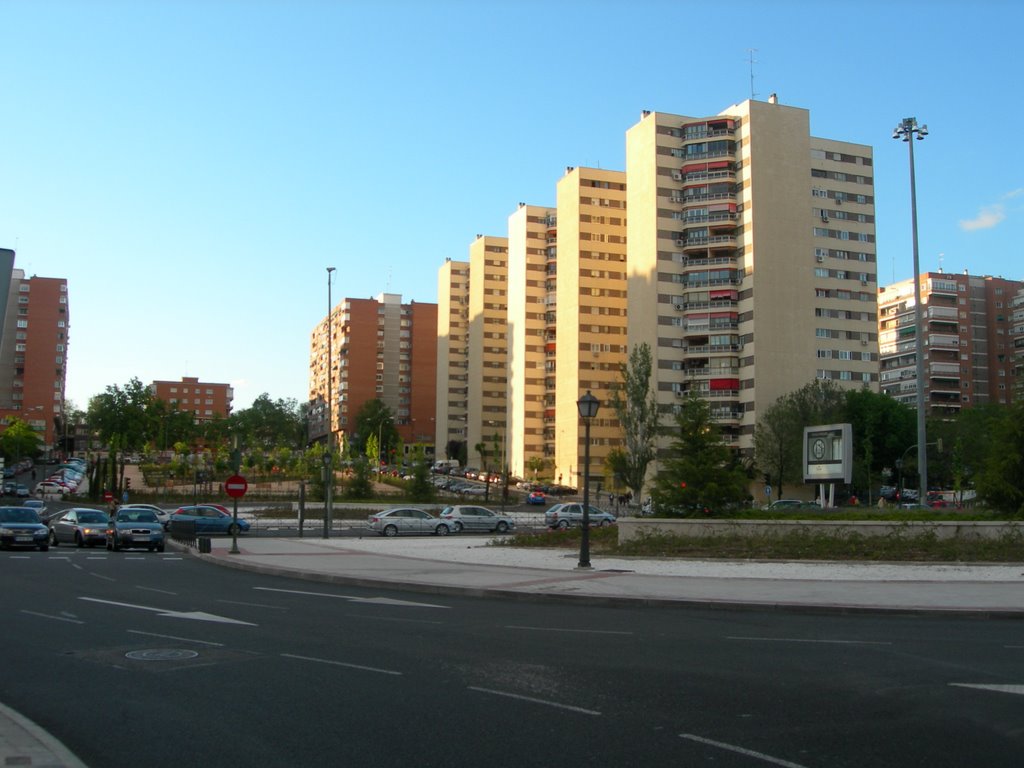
(987,218)
(1014,193)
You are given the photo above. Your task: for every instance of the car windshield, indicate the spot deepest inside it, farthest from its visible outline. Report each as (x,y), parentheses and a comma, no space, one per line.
(92,517)
(18,515)
(135,516)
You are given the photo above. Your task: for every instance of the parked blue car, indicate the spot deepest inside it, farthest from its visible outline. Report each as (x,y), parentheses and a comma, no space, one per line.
(208,518)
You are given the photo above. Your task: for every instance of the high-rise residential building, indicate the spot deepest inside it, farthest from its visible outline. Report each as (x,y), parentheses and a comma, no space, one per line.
(452,361)
(532,249)
(205,401)
(487,351)
(33,350)
(591,316)
(751,258)
(969,345)
(1017,337)
(381,349)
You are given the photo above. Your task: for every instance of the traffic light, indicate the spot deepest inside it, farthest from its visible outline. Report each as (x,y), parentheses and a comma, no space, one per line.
(127,483)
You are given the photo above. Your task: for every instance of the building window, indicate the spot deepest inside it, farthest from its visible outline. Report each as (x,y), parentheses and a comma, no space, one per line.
(23,323)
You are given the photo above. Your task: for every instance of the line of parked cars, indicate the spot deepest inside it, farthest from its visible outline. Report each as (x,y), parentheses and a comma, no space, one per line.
(65,479)
(453,519)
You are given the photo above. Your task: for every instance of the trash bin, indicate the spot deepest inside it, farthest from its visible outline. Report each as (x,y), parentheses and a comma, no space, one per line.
(204,544)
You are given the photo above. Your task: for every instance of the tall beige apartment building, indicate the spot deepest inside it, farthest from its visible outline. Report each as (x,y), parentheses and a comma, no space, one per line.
(532,254)
(1017,336)
(969,345)
(487,350)
(452,356)
(752,261)
(591,316)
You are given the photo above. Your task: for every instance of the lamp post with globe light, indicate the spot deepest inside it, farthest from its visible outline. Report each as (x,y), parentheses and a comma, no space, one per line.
(588,406)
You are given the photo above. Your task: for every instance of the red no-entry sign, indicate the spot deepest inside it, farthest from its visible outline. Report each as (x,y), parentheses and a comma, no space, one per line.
(236,486)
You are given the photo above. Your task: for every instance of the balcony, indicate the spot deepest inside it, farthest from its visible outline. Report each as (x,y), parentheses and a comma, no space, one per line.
(707,243)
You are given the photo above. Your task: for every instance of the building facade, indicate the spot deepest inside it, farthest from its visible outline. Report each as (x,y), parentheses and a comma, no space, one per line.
(487,352)
(452,359)
(751,258)
(33,351)
(381,349)
(205,401)
(969,338)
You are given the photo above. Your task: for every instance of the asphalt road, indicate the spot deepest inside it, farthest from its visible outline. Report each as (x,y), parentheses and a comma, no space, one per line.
(137,657)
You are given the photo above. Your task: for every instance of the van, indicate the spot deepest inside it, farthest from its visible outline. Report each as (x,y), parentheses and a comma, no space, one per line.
(445,466)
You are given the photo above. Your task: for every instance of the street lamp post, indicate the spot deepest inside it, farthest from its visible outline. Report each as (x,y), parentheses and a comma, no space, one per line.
(328,469)
(905,131)
(588,406)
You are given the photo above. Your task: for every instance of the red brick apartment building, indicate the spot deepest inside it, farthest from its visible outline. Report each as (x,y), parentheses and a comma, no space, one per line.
(380,349)
(205,401)
(33,350)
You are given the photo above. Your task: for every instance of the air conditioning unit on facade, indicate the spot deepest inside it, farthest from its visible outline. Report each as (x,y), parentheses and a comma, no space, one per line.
(820,258)
(677,175)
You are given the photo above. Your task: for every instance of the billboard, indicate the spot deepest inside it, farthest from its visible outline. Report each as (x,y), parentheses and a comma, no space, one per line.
(828,453)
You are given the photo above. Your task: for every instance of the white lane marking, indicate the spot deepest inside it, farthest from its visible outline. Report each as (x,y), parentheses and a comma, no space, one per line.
(341,664)
(352,598)
(20,557)
(55,618)
(76,565)
(60,557)
(173,637)
(96,557)
(371,617)
(560,629)
(545,702)
(193,615)
(1017,689)
(809,640)
(254,605)
(101,576)
(742,751)
(154,589)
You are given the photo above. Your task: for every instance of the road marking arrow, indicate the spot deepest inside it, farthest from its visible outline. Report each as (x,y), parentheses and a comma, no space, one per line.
(1018,689)
(193,615)
(353,599)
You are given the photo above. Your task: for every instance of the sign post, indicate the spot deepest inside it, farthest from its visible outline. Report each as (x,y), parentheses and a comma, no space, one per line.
(235,487)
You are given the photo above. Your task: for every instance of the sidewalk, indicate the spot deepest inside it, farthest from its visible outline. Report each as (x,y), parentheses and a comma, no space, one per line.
(468,566)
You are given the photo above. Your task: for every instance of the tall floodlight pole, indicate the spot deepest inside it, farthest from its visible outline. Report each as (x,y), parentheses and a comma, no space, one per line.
(905,131)
(328,468)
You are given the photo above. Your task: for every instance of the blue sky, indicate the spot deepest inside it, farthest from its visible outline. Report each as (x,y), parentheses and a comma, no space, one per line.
(192,168)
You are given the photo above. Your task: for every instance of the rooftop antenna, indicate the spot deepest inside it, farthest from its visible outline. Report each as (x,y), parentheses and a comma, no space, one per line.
(941,257)
(752,60)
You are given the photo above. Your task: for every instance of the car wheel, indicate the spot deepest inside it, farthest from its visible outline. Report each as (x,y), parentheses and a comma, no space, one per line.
(109,545)
(441,530)
(116,545)
(563,524)
(78,540)
(233,529)
(390,530)
(502,527)
(603,523)
(458,527)
(160,548)
(53,538)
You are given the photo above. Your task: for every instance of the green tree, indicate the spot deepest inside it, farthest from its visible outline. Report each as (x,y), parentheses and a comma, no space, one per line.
(636,408)
(121,417)
(701,472)
(360,484)
(269,424)
(778,434)
(375,419)
(421,490)
(19,441)
(999,482)
(882,429)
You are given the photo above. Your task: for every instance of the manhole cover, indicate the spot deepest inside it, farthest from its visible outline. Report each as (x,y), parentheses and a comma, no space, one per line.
(161,654)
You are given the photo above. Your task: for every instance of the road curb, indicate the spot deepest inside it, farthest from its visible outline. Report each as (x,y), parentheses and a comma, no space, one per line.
(34,745)
(600,600)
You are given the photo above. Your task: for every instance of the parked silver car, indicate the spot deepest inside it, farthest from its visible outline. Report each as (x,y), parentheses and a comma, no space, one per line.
(392,522)
(162,515)
(566,515)
(472,518)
